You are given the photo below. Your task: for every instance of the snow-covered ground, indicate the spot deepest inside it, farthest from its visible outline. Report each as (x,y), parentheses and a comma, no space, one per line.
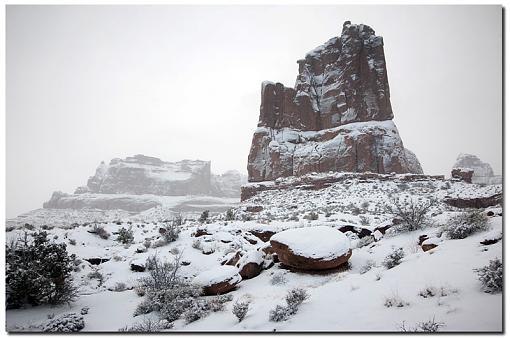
(339,300)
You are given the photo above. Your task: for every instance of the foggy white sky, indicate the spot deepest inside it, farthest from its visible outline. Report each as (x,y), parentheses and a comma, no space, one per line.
(87,83)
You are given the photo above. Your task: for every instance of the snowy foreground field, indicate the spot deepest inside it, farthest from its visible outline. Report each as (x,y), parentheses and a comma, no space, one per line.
(436,286)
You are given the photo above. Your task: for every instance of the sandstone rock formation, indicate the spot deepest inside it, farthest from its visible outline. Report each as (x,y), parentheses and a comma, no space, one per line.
(140,182)
(311,248)
(482,171)
(338,116)
(218,280)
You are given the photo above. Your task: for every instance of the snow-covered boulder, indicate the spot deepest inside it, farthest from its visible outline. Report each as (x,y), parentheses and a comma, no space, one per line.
(430,243)
(218,280)
(312,248)
(251,264)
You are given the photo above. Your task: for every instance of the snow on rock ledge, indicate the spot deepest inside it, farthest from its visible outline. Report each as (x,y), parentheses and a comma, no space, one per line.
(218,280)
(312,248)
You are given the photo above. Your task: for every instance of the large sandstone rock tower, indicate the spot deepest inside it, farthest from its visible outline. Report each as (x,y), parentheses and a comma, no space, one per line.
(338,116)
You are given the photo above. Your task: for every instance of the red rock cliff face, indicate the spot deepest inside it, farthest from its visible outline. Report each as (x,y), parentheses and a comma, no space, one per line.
(336,118)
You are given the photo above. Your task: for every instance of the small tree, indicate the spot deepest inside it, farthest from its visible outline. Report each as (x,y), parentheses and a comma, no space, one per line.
(463,225)
(38,271)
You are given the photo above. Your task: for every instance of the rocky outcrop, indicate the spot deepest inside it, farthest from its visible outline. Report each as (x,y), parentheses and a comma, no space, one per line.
(311,248)
(139,183)
(475,202)
(218,280)
(338,116)
(141,174)
(464,174)
(482,172)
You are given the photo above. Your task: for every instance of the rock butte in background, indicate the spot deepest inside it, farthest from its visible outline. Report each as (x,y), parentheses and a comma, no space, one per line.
(338,116)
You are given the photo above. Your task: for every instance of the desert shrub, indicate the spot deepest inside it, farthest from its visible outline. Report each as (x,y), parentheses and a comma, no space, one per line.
(171,232)
(69,322)
(432,291)
(278,279)
(240,309)
(95,274)
(311,216)
(229,215)
(412,212)
(463,225)
(491,276)
(365,241)
(125,235)
(369,264)
(101,232)
(200,308)
(38,271)
(204,216)
(294,299)
(119,287)
(72,242)
(166,291)
(279,313)
(394,258)
(364,220)
(197,244)
(148,325)
(395,301)
(429,326)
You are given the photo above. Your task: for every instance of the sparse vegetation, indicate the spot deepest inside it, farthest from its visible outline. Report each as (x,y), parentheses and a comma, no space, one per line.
(101,232)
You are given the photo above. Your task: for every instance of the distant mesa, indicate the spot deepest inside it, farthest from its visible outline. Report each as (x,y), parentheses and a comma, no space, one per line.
(470,168)
(132,184)
(338,116)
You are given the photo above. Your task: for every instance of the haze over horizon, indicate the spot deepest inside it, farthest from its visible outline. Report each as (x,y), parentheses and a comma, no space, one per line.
(86,84)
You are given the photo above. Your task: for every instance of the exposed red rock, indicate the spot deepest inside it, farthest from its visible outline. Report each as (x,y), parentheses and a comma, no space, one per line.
(475,202)
(338,116)
(464,174)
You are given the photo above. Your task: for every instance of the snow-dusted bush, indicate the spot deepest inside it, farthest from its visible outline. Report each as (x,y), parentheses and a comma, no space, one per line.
(429,326)
(311,216)
(148,325)
(171,232)
(101,232)
(95,274)
(395,301)
(463,225)
(394,258)
(365,241)
(166,291)
(414,213)
(72,242)
(294,299)
(240,309)
(432,291)
(278,279)
(69,322)
(279,313)
(369,264)
(201,307)
(491,276)
(125,235)
(119,287)
(229,215)
(38,271)
(204,216)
